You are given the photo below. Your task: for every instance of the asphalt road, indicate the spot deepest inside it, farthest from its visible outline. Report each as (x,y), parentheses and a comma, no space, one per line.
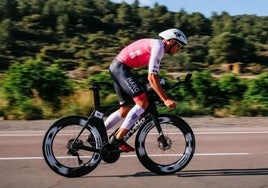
(230,153)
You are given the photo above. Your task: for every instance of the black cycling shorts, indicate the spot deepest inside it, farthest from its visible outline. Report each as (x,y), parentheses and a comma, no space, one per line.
(126,86)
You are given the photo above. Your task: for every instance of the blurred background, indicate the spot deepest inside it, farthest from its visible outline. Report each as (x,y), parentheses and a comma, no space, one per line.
(51,49)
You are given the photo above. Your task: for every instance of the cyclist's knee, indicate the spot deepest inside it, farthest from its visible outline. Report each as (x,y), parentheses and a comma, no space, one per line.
(142,101)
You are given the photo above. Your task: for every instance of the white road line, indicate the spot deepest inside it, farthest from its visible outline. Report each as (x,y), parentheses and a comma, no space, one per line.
(130,156)
(21,135)
(234,132)
(196,133)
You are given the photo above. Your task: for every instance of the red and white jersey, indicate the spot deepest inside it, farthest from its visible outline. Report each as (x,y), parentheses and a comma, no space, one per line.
(142,53)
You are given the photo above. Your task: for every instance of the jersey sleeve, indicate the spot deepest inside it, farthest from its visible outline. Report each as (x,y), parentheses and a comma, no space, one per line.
(157,52)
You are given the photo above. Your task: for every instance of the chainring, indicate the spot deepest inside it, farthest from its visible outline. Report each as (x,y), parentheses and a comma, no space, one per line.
(110,153)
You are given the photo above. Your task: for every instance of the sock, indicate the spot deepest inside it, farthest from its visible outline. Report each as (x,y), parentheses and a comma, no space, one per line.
(112,120)
(132,116)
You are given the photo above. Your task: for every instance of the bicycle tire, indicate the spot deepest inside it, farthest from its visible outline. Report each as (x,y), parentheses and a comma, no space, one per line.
(165,159)
(57,140)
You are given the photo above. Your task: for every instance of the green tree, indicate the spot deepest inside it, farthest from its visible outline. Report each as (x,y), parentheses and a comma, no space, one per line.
(232,87)
(222,23)
(146,21)
(206,90)
(252,27)
(6,34)
(8,9)
(182,21)
(162,18)
(123,15)
(29,7)
(28,26)
(22,80)
(199,25)
(228,48)
(198,45)
(62,24)
(257,92)
(135,17)
(33,23)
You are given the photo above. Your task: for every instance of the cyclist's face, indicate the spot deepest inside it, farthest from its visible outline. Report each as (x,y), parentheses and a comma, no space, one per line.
(174,47)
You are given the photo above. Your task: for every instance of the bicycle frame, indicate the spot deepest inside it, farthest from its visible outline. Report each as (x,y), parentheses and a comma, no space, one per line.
(96,117)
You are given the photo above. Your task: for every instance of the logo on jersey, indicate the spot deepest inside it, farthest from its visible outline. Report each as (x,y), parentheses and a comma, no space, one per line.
(135,54)
(156,67)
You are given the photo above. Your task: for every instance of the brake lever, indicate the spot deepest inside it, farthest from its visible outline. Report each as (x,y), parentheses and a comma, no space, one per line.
(185,81)
(188,78)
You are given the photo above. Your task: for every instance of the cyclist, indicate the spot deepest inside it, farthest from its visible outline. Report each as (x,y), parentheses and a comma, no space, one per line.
(141,53)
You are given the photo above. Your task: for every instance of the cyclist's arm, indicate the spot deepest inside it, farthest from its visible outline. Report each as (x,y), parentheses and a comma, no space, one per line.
(155,84)
(157,53)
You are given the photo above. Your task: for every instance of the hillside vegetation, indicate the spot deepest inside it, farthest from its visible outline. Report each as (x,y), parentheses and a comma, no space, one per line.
(46,46)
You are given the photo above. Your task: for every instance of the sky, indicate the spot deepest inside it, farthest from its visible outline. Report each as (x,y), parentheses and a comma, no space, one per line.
(206,7)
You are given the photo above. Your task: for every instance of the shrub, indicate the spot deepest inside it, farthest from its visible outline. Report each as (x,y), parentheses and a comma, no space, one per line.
(257,92)
(231,87)
(50,82)
(245,109)
(30,111)
(206,91)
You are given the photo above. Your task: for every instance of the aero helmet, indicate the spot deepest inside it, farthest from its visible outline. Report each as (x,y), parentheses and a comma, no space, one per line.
(176,34)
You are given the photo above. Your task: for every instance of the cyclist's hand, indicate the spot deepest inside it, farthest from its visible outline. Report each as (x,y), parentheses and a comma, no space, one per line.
(170,103)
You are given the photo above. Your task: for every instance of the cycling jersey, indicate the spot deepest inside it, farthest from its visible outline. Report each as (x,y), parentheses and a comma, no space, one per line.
(142,53)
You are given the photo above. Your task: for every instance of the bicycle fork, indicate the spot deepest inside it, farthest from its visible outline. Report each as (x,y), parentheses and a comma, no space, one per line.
(161,138)
(141,121)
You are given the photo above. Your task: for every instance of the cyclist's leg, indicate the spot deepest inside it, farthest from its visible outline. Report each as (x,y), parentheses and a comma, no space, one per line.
(133,115)
(116,116)
(116,69)
(127,89)
(113,119)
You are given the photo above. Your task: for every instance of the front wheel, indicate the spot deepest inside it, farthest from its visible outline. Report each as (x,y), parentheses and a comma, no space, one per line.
(68,155)
(165,157)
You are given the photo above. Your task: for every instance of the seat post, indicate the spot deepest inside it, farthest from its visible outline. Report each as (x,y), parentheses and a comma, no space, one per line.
(96,94)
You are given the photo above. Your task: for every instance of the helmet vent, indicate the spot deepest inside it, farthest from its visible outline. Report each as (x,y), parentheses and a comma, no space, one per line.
(177,34)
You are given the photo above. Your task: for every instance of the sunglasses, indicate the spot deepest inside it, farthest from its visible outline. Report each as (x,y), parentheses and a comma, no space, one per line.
(180,45)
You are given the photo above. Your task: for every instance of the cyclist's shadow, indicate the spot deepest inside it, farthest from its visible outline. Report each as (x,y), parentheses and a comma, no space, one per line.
(224,172)
(200,173)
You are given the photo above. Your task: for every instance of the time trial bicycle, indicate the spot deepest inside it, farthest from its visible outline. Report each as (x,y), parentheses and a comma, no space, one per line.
(75,145)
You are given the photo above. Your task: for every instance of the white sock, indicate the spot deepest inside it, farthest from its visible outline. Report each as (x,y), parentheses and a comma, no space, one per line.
(113,119)
(132,116)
